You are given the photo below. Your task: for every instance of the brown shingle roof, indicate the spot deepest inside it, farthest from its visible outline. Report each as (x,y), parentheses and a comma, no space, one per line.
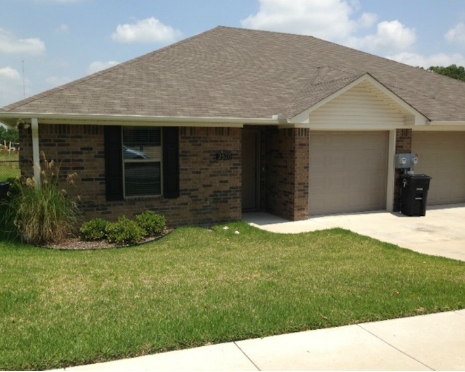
(228,72)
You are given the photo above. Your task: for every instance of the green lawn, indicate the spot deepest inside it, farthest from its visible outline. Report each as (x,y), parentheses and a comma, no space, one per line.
(9,165)
(198,286)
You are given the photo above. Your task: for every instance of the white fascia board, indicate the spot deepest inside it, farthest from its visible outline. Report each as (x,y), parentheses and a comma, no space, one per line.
(420,119)
(447,123)
(96,119)
(293,125)
(412,120)
(440,128)
(345,128)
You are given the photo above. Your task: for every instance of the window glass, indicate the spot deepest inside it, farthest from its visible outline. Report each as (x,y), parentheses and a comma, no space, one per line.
(142,161)
(142,178)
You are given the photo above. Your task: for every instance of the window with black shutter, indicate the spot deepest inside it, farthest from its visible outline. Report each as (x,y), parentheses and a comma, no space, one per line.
(141,161)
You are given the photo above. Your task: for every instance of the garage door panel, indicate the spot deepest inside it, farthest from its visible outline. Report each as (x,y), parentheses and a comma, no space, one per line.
(354,174)
(335,160)
(442,156)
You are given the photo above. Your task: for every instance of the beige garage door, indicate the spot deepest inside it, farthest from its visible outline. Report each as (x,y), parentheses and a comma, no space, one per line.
(348,172)
(441,155)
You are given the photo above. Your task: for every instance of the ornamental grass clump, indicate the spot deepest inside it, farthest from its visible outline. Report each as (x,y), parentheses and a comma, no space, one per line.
(44,213)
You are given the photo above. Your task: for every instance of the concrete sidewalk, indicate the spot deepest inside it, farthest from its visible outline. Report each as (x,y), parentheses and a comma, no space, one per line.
(440,233)
(427,342)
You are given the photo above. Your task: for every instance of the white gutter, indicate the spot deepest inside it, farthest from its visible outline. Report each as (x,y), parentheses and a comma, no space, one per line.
(111,119)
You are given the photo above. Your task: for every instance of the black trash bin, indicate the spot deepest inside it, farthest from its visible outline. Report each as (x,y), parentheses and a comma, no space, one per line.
(414,194)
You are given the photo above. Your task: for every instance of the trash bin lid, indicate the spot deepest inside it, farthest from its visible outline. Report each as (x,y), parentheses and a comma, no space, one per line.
(421,176)
(416,176)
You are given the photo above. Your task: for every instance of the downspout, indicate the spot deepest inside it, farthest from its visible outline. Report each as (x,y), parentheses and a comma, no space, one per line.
(35,150)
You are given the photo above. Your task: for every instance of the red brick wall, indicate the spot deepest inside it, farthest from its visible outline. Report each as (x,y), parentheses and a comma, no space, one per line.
(210,189)
(286,156)
(403,145)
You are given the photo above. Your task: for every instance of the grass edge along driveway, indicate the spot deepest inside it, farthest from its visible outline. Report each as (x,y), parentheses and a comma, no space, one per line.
(200,286)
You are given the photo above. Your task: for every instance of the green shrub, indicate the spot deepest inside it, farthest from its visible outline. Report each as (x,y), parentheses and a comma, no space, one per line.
(124,231)
(152,223)
(94,230)
(43,214)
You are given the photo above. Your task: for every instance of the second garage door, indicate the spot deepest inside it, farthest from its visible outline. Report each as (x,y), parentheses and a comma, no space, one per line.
(441,155)
(348,172)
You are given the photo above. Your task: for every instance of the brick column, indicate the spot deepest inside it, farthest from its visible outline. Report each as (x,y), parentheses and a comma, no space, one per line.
(287,156)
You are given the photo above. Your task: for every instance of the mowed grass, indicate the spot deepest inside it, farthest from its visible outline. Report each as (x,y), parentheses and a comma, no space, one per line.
(199,286)
(9,165)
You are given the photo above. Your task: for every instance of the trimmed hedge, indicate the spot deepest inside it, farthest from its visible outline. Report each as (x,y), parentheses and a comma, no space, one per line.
(124,231)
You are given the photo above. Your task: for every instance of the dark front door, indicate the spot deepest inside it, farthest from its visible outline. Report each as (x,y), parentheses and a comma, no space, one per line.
(250,167)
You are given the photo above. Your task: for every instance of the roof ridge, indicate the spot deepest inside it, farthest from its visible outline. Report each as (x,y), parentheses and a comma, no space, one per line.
(97,74)
(424,95)
(340,45)
(352,76)
(295,97)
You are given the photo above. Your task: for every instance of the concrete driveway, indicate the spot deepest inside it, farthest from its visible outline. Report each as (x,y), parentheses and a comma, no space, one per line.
(440,233)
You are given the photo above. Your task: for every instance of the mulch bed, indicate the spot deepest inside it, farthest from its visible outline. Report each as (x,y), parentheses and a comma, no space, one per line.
(75,244)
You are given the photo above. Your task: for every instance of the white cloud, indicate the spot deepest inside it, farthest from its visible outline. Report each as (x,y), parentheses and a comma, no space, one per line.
(55,81)
(99,65)
(440,59)
(329,19)
(390,37)
(63,28)
(332,20)
(149,30)
(9,73)
(11,86)
(11,45)
(456,34)
(367,20)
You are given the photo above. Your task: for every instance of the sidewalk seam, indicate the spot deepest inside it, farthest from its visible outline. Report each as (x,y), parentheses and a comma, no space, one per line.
(242,351)
(394,347)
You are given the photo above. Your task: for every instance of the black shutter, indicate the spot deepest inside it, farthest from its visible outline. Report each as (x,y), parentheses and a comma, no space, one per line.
(113,163)
(171,162)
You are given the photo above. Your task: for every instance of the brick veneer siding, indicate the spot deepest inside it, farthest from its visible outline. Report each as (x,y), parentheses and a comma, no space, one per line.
(403,145)
(285,154)
(210,189)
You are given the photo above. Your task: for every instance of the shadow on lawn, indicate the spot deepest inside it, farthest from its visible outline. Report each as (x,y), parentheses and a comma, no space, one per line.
(7,228)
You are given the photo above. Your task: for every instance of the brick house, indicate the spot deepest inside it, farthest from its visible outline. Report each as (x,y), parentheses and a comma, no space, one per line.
(235,120)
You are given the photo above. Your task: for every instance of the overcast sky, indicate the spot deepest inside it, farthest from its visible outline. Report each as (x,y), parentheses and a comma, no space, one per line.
(58,41)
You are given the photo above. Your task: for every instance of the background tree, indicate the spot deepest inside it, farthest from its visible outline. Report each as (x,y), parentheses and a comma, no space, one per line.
(453,71)
(8,135)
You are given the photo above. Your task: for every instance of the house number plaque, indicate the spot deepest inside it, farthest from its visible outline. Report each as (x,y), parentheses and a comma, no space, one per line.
(223,155)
